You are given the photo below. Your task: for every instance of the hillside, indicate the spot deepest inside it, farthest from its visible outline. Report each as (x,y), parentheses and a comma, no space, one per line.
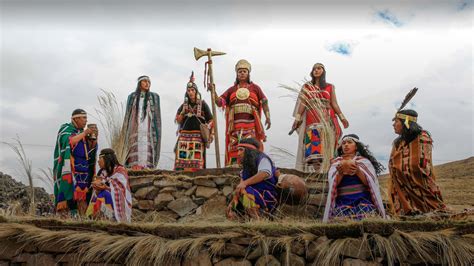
(15,197)
(456,181)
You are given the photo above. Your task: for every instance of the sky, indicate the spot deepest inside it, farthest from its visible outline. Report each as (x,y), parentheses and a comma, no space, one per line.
(56,56)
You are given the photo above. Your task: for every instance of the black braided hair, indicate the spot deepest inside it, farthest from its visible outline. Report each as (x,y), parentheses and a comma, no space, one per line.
(137,101)
(408,135)
(322,79)
(249,162)
(110,160)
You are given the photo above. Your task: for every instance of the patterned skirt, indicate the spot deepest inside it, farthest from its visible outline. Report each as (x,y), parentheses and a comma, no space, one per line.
(81,186)
(190,152)
(242,130)
(264,200)
(355,206)
(101,205)
(313,145)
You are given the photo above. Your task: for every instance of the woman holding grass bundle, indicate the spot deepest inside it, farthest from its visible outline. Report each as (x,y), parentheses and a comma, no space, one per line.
(316,121)
(353,185)
(112,198)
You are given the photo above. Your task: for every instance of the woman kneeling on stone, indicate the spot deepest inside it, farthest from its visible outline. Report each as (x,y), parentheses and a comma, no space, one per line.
(256,194)
(112,199)
(353,186)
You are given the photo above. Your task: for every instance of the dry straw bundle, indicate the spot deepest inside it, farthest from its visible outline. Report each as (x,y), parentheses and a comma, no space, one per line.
(447,243)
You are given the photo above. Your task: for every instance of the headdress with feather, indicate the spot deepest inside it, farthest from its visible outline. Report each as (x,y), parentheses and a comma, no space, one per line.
(406,118)
(191,84)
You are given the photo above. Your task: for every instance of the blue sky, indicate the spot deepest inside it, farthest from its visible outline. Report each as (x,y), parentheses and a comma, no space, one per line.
(55,58)
(388,17)
(342,48)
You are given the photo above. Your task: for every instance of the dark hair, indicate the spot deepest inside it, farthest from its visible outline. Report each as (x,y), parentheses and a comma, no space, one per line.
(237,78)
(364,151)
(249,162)
(78,111)
(186,96)
(137,101)
(110,160)
(408,135)
(322,79)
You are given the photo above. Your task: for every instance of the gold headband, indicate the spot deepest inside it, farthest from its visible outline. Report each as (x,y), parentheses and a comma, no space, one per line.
(79,115)
(407,118)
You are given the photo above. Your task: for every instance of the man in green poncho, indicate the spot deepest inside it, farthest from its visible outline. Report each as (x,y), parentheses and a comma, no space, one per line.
(74,164)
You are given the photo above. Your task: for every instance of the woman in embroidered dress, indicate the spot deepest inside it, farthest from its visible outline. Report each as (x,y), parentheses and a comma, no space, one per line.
(412,185)
(353,185)
(190,150)
(315,113)
(256,195)
(112,198)
(243,103)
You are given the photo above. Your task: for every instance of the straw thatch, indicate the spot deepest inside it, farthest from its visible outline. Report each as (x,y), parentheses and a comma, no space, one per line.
(139,244)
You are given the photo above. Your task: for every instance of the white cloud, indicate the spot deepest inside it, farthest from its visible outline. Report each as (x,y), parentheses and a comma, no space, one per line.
(32,108)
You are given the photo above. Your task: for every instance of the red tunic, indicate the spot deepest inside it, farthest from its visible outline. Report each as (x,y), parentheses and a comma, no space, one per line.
(324,94)
(243,106)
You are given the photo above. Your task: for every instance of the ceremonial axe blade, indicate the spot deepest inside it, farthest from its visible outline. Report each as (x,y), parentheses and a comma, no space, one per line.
(198,53)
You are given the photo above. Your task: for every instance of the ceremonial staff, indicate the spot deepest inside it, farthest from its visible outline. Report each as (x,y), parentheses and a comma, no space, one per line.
(209,82)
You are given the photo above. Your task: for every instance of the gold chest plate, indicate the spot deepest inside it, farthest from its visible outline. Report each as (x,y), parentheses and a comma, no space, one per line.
(242,94)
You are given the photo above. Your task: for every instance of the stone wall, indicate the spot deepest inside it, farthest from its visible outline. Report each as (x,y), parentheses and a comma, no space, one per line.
(237,252)
(244,250)
(177,195)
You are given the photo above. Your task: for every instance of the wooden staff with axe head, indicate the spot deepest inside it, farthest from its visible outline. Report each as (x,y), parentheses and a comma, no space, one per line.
(209,83)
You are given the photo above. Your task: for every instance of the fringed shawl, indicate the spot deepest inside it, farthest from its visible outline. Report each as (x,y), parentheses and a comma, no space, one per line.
(130,127)
(369,171)
(121,195)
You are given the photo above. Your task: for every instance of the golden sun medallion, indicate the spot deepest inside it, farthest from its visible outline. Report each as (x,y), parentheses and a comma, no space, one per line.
(242,94)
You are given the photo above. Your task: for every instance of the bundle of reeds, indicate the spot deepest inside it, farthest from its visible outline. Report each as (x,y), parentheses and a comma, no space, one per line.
(325,127)
(111,116)
(27,167)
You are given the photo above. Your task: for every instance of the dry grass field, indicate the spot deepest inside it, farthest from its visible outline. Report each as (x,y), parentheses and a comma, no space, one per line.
(456,181)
